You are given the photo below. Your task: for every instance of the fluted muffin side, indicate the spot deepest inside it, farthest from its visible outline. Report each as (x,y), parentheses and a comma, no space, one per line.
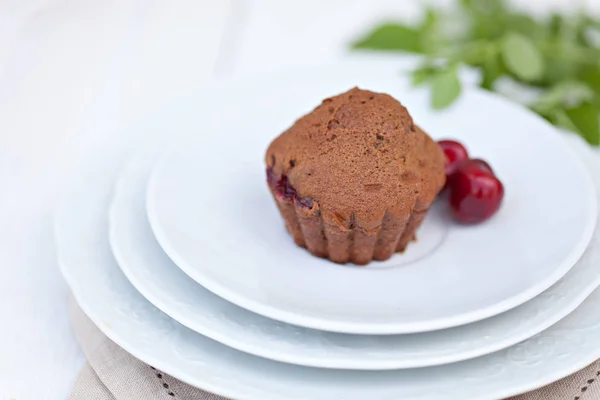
(354,179)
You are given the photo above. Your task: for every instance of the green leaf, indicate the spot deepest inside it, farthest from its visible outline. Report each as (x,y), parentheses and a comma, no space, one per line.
(392,37)
(430,39)
(562,120)
(522,57)
(567,94)
(422,75)
(592,78)
(445,88)
(585,119)
(555,24)
(557,56)
(477,52)
(589,21)
(430,20)
(527,26)
(490,7)
(492,70)
(559,69)
(466,3)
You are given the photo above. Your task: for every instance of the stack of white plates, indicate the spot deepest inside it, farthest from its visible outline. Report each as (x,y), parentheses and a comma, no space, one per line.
(172,245)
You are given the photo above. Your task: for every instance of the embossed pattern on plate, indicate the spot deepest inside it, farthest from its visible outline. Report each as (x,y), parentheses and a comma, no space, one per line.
(156,277)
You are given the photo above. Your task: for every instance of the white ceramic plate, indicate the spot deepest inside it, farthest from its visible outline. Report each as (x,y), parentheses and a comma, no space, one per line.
(211,212)
(160,281)
(133,323)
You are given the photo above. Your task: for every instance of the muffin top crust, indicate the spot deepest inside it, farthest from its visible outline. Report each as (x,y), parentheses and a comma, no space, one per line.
(357,156)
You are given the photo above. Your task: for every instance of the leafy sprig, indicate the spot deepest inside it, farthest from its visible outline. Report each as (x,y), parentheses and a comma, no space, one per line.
(558,56)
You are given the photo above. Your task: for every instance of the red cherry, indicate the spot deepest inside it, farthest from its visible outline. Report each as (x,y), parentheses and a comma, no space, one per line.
(476,163)
(271,178)
(306,202)
(475,193)
(455,154)
(285,192)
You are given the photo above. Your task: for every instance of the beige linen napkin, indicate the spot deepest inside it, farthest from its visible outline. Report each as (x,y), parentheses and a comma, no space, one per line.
(113,374)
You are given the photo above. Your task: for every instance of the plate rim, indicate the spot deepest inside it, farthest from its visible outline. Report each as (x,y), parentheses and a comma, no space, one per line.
(227,390)
(115,211)
(557,373)
(307,321)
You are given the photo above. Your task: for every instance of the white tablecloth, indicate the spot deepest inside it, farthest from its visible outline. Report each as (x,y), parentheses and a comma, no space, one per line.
(74,66)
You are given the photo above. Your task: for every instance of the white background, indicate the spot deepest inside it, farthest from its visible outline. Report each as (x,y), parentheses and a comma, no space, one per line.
(71,67)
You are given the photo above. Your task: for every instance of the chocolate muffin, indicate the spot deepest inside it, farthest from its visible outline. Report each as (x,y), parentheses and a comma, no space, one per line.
(354,178)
